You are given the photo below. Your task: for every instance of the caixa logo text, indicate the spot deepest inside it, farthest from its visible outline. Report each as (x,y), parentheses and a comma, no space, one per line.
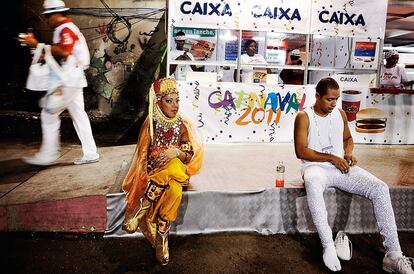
(276,13)
(341,18)
(205,8)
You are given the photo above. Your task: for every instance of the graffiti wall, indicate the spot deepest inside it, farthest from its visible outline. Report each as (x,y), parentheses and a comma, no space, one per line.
(127,44)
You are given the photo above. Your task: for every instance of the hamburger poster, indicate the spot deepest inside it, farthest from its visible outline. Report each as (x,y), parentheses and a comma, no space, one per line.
(377,118)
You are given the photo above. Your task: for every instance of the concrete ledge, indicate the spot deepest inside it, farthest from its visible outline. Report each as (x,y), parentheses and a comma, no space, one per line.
(81,214)
(270,211)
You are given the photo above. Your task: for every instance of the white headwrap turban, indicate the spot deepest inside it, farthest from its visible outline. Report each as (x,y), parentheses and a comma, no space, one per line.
(390,53)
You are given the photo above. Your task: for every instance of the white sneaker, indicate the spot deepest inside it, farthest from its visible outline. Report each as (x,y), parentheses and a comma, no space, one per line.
(343,246)
(83,161)
(39,161)
(400,265)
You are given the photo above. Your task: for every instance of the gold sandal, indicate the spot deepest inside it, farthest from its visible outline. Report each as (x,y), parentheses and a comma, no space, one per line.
(132,224)
(161,241)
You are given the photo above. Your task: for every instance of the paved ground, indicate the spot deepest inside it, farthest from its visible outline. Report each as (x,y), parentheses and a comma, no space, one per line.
(216,253)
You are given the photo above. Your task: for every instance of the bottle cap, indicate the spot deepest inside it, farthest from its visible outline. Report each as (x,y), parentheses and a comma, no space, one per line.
(280,169)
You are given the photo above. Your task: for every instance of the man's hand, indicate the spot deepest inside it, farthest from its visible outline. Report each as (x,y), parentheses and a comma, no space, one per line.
(340,163)
(28,40)
(350,159)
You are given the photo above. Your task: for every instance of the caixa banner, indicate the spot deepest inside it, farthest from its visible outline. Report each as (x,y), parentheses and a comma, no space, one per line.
(277,15)
(356,18)
(333,18)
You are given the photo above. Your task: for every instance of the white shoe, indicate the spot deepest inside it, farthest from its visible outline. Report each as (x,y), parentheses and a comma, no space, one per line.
(343,246)
(83,161)
(400,265)
(39,160)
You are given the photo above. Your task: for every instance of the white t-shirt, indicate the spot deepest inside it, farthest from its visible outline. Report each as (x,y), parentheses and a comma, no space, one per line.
(325,135)
(245,59)
(181,70)
(78,60)
(392,77)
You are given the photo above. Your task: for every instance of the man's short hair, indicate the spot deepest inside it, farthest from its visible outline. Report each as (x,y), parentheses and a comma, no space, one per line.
(248,42)
(294,57)
(324,84)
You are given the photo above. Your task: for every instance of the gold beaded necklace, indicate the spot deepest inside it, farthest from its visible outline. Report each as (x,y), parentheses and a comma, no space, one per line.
(167,130)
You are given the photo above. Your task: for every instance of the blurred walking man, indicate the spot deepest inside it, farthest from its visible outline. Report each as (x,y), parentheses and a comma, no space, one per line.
(70,49)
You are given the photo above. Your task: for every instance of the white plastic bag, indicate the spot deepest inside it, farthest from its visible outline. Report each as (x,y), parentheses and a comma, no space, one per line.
(38,78)
(54,101)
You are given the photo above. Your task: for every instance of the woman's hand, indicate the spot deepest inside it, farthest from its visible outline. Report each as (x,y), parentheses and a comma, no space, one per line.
(171,153)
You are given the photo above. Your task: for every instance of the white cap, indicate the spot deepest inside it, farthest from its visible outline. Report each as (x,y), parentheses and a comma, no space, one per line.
(390,53)
(179,38)
(52,6)
(295,52)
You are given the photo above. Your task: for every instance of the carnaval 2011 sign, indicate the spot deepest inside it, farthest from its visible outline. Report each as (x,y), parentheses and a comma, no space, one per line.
(334,18)
(239,112)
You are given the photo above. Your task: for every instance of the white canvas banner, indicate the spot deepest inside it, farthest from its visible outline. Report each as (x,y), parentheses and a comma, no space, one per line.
(238,112)
(375,118)
(251,113)
(277,15)
(359,18)
(352,80)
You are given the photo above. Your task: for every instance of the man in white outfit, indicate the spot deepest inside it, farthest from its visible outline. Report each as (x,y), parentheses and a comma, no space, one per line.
(181,54)
(324,144)
(70,49)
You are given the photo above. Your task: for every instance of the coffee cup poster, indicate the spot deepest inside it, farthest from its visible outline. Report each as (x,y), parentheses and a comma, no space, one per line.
(375,118)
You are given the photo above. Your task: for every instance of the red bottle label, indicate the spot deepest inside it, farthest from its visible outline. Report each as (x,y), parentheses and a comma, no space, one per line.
(280,183)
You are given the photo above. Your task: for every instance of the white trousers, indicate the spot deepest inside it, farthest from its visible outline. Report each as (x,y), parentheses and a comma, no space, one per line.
(51,125)
(357,181)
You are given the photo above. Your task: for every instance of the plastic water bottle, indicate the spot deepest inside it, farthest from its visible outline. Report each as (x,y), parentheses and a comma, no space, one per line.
(280,175)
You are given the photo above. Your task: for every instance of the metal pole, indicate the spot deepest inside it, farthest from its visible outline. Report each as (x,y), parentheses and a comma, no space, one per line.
(305,76)
(379,62)
(238,56)
(167,31)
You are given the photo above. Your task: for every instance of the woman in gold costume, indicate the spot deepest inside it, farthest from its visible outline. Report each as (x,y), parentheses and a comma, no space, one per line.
(168,152)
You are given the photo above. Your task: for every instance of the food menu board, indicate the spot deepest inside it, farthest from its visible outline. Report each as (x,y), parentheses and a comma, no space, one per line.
(200,49)
(201,43)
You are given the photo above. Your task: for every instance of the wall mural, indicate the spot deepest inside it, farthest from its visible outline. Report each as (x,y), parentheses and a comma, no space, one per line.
(120,41)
